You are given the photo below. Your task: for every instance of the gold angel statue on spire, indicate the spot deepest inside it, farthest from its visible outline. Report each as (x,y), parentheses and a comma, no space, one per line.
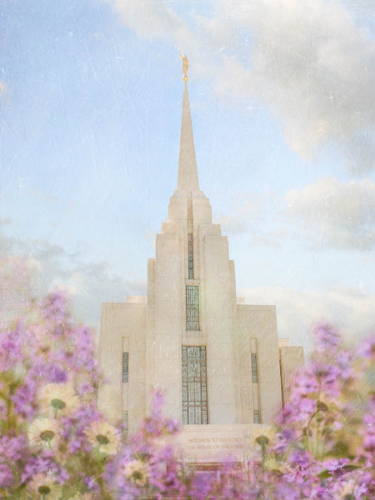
(185,67)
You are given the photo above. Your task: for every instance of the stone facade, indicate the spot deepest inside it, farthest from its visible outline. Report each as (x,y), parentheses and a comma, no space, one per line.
(217,360)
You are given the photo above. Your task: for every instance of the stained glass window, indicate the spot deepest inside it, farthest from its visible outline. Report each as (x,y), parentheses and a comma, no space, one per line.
(125,367)
(190,256)
(254,368)
(194,385)
(192,307)
(126,422)
(257,419)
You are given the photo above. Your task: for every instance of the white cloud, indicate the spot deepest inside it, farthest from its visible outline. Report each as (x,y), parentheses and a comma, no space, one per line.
(149,18)
(33,268)
(256,220)
(336,214)
(233,224)
(367,5)
(241,219)
(350,310)
(15,285)
(308,60)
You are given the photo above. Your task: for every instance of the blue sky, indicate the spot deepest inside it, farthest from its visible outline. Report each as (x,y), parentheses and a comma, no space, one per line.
(283,118)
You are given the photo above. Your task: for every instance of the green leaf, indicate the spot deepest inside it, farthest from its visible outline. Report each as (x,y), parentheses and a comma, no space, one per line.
(350,467)
(324,474)
(322,406)
(339,450)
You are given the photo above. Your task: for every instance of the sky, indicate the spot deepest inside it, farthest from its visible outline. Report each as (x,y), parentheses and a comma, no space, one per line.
(282,98)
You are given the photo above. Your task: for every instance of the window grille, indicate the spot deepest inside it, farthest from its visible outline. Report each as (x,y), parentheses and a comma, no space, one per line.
(254,368)
(257,419)
(192,307)
(126,420)
(125,367)
(190,256)
(194,385)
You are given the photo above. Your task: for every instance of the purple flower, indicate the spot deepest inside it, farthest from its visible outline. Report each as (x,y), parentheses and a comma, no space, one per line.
(306,381)
(287,491)
(202,484)
(283,439)
(6,476)
(10,348)
(54,307)
(367,349)
(91,483)
(56,374)
(316,422)
(24,399)
(326,337)
(75,425)
(343,363)
(44,463)
(369,431)
(48,372)
(3,409)
(12,448)
(336,465)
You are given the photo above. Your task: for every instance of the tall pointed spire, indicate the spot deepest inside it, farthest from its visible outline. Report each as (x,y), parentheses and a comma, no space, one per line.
(187,172)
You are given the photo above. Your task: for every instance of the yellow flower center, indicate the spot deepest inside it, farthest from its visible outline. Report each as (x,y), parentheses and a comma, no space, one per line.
(101,439)
(58,404)
(47,435)
(44,490)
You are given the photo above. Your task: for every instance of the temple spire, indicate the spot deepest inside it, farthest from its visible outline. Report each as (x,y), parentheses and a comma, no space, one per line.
(187,172)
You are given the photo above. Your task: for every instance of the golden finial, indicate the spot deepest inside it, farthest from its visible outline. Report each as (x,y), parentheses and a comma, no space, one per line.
(185,68)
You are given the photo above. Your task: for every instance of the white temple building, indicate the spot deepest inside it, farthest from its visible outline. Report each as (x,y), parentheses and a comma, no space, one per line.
(218,360)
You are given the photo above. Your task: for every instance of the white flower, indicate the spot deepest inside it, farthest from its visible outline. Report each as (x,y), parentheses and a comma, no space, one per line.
(136,471)
(43,432)
(45,485)
(271,463)
(104,436)
(347,489)
(80,496)
(57,397)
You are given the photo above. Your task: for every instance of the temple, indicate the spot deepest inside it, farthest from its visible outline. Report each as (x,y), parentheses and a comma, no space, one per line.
(218,360)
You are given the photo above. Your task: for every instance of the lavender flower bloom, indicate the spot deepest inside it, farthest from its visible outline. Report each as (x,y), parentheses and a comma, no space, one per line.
(367,349)
(75,425)
(326,337)
(12,448)
(44,463)
(323,446)
(54,308)
(10,348)
(6,476)
(369,432)
(56,374)
(24,399)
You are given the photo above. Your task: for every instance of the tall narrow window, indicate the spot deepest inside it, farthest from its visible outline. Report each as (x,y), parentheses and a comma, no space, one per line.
(126,422)
(257,419)
(190,256)
(194,385)
(192,307)
(254,368)
(125,367)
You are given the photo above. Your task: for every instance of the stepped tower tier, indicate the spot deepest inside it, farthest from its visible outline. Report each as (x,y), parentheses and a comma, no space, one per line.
(217,360)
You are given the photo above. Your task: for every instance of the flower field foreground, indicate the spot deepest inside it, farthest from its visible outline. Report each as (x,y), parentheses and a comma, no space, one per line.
(56,445)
